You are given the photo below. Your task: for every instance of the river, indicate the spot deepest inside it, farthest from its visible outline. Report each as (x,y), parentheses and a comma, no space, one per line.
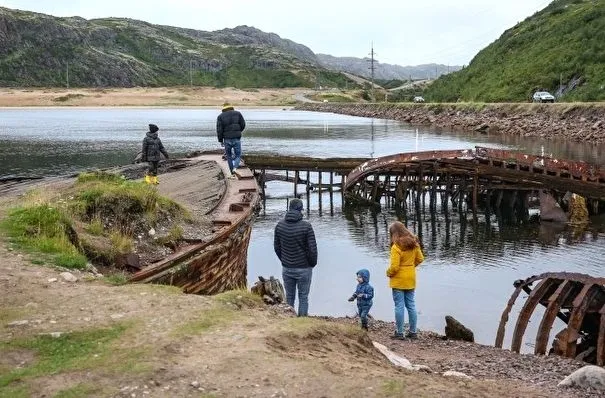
(469,268)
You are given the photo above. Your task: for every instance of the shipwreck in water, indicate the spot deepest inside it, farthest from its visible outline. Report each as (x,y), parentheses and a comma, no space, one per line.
(576,299)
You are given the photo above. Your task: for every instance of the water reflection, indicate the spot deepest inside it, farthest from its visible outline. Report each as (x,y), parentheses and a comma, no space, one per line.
(469,269)
(55,140)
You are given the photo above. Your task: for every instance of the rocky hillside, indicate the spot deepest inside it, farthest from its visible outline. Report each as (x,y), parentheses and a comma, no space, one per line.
(560,49)
(40,50)
(360,67)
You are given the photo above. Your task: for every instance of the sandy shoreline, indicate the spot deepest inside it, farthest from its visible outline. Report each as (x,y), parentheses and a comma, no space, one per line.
(199,97)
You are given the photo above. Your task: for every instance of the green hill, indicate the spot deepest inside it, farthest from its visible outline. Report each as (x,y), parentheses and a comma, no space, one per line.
(38,50)
(565,42)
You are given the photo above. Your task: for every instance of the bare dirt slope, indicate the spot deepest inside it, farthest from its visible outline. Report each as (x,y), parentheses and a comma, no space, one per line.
(89,338)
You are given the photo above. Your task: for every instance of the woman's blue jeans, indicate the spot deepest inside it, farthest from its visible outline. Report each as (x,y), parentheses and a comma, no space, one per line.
(404,299)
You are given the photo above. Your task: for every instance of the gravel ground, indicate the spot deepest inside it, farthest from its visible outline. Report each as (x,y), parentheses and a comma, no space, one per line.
(480,361)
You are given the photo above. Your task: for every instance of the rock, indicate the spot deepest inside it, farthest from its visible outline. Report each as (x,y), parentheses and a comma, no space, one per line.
(55,335)
(454,330)
(597,124)
(395,359)
(452,373)
(18,323)
(151,232)
(52,280)
(195,384)
(482,129)
(587,377)
(69,277)
(116,316)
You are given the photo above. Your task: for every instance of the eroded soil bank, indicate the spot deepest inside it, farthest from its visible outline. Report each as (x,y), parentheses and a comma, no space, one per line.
(576,122)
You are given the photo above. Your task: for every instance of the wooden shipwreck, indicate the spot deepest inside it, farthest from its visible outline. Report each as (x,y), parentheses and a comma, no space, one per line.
(576,299)
(219,263)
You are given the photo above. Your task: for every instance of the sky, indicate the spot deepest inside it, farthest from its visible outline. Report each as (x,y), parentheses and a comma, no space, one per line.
(403,32)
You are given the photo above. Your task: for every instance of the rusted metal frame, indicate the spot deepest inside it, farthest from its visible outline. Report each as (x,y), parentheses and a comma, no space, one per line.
(588,189)
(370,166)
(528,308)
(519,286)
(296,180)
(601,339)
(556,300)
(579,169)
(580,305)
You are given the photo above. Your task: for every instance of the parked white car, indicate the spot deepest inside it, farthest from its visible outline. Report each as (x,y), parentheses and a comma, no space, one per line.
(418,99)
(543,96)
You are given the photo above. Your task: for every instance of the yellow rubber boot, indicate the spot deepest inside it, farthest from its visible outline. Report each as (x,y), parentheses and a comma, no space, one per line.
(155,180)
(148,178)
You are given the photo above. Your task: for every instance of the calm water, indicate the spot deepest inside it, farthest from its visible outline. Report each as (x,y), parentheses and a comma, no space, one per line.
(469,269)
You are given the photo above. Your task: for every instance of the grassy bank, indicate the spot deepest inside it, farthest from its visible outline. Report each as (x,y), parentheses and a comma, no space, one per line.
(99,218)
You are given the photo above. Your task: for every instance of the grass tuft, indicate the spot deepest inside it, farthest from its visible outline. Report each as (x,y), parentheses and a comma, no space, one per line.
(43,229)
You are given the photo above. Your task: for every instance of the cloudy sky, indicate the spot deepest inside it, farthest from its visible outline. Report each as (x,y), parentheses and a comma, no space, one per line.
(404,32)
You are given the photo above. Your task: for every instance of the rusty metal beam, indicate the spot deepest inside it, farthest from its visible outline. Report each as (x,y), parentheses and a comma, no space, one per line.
(581,170)
(504,317)
(532,301)
(601,339)
(555,301)
(580,305)
(370,166)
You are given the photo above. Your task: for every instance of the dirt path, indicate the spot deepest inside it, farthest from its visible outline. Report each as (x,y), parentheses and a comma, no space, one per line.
(152,341)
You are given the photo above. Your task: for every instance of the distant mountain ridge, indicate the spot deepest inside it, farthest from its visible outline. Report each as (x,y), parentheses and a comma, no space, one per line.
(42,50)
(360,67)
(37,50)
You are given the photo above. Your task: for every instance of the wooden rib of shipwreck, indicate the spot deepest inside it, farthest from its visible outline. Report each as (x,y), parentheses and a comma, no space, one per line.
(219,263)
(577,299)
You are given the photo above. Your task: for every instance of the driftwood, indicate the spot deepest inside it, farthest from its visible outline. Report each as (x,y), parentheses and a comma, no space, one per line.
(271,290)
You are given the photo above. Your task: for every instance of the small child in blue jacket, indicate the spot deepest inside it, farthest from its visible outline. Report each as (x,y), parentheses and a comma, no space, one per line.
(364,295)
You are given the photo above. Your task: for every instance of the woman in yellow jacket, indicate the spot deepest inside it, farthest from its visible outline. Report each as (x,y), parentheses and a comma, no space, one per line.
(406,254)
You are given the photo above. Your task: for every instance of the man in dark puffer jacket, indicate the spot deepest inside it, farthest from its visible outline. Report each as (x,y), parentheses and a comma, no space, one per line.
(229,126)
(295,246)
(152,147)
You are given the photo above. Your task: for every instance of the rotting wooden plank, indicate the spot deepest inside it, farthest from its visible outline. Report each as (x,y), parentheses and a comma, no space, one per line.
(553,308)
(528,308)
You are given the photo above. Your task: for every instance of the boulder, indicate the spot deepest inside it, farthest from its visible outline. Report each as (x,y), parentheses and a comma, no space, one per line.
(69,277)
(454,330)
(587,377)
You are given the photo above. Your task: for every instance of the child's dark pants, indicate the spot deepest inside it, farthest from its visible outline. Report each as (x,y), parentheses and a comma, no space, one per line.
(364,309)
(153,168)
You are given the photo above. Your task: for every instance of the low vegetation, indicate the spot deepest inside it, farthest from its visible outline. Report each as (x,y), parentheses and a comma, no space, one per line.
(561,48)
(85,350)
(100,218)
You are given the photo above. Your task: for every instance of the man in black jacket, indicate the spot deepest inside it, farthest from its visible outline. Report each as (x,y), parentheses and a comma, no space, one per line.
(229,126)
(295,246)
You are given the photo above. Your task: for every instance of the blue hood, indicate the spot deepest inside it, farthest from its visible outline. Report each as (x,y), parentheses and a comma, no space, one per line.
(365,275)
